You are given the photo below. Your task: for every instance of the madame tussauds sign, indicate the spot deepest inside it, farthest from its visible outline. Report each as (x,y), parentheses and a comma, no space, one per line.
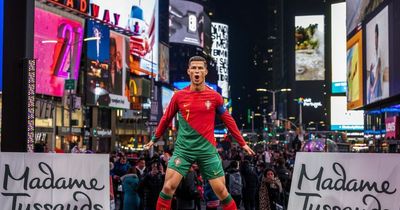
(54,181)
(345,181)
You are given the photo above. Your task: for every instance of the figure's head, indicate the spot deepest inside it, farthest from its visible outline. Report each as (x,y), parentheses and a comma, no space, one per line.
(197,70)
(376,36)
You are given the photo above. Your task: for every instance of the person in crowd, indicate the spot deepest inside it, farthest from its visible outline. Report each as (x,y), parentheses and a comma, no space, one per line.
(187,191)
(120,169)
(197,106)
(130,185)
(270,191)
(212,201)
(284,176)
(199,186)
(250,189)
(151,185)
(141,167)
(235,182)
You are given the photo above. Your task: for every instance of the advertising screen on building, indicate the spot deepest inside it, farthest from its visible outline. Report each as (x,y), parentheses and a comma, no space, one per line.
(56,42)
(98,50)
(219,52)
(342,119)
(163,74)
(106,80)
(357,10)
(166,95)
(186,21)
(354,63)
(310,48)
(338,30)
(377,57)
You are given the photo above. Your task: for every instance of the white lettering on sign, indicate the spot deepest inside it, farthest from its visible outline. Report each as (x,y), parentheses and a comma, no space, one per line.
(345,181)
(219,52)
(309,102)
(54,181)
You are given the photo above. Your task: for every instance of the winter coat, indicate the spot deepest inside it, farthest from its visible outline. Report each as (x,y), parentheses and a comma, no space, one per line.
(151,186)
(130,185)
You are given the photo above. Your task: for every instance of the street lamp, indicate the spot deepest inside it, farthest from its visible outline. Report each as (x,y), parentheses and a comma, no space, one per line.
(273,98)
(70,71)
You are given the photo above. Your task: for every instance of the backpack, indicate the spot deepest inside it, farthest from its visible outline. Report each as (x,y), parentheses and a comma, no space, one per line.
(235,183)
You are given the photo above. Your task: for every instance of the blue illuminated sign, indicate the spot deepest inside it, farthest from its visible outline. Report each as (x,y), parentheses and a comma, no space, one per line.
(339,87)
(181,85)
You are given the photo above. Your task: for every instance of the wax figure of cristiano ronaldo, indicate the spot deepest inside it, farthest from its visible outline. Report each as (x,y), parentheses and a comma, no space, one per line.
(196,106)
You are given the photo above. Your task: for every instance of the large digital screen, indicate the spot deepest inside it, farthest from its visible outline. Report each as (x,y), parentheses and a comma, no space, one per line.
(56,42)
(310,48)
(98,50)
(163,74)
(338,30)
(186,23)
(219,52)
(106,80)
(356,10)
(166,95)
(354,63)
(377,57)
(342,119)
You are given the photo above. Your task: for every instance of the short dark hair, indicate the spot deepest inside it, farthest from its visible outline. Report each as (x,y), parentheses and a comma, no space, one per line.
(198,58)
(376,29)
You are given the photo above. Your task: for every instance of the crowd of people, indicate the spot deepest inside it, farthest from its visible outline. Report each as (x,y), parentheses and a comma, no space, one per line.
(255,182)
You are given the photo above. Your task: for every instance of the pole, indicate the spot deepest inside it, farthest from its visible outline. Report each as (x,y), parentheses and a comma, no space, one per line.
(252,121)
(301,120)
(70,92)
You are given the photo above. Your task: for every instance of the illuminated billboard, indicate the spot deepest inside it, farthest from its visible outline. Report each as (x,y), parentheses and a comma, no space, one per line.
(342,119)
(186,23)
(163,74)
(55,43)
(310,48)
(338,30)
(166,95)
(357,10)
(141,19)
(98,50)
(219,52)
(354,63)
(377,57)
(106,79)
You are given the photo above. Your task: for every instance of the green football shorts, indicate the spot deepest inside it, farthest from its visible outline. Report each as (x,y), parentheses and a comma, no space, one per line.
(210,167)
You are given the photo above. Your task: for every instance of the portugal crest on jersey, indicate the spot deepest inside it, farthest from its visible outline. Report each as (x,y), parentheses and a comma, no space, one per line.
(208,104)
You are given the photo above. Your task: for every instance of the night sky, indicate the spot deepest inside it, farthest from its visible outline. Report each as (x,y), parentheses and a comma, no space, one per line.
(246,23)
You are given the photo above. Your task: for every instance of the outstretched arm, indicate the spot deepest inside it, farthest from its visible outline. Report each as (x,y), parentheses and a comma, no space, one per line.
(232,127)
(166,119)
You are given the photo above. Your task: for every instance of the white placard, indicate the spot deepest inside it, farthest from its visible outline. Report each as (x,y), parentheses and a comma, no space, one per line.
(54,181)
(345,181)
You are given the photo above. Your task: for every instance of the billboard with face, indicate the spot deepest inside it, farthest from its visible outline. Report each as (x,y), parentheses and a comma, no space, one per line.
(377,57)
(106,79)
(186,23)
(58,45)
(310,48)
